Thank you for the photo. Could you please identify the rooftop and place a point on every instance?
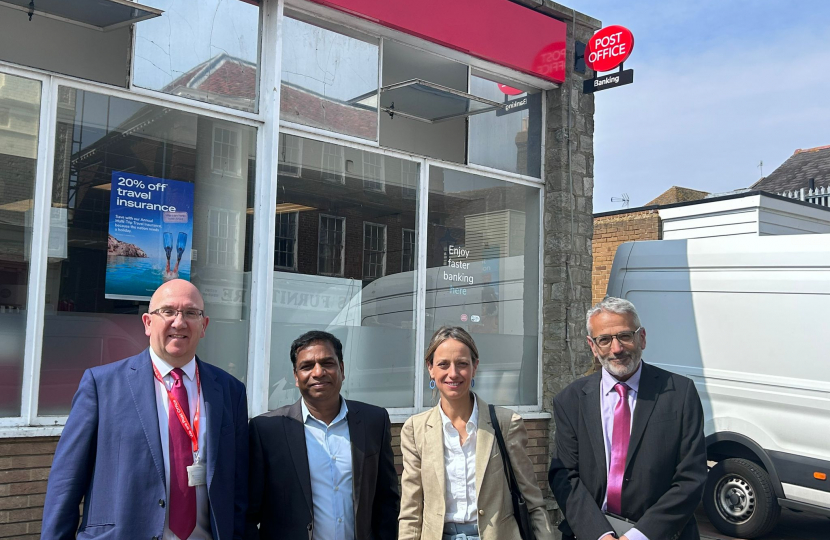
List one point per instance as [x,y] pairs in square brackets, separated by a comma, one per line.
[796,172]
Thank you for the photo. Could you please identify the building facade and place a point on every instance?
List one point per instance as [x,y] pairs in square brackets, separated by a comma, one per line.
[336,170]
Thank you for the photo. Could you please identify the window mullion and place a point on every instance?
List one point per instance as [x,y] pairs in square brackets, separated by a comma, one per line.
[41,215]
[421,286]
[265,209]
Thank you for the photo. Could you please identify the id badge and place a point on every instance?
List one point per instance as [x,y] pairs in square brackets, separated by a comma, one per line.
[197,474]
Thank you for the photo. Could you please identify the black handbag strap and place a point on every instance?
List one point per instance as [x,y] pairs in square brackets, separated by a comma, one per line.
[508,467]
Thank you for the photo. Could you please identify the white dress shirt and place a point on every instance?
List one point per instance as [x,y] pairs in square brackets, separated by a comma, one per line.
[329,450]
[608,401]
[460,467]
[202,530]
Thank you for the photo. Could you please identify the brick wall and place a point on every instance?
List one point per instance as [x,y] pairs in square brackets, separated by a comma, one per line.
[24,468]
[609,233]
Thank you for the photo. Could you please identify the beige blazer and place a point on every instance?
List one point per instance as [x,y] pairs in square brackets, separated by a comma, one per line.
[424,478]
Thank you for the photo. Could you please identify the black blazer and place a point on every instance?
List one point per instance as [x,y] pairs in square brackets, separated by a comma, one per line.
[280,484]
[665,468]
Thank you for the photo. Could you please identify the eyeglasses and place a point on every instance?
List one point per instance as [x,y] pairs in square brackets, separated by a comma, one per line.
[170,313]
[625,338]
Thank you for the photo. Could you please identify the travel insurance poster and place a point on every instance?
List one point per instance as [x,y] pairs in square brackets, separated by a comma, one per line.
[150,234]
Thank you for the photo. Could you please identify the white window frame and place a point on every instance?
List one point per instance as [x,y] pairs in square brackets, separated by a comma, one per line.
[30,423]
[296,242]
[268,124]
[342,246]
[383,253]
[236,171]
[374,184]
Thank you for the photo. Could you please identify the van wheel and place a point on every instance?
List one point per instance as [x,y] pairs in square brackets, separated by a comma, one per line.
[739,499]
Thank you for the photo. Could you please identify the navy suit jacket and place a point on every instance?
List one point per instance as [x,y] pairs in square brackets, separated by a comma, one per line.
[110,456]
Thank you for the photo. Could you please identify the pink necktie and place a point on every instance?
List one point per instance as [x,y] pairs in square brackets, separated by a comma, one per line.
[182,497]
[619,449]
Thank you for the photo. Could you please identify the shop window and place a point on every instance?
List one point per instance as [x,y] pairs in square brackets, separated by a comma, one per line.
[334,164]
[290,155]
[373,172]
[285,246]
[445,140]
[329,78]
[408,247]
[141,201]
[20,108]
[331,245]
[374,250]
[226,151]
[62,46]
[223,238]
[347,277]
[483,274]
[509,139]
[206,50]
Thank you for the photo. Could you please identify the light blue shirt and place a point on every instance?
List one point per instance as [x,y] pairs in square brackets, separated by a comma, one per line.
[329,449]
[608,401]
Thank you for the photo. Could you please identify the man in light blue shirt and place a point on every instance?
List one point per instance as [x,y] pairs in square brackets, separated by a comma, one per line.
[330,446]
[322,468]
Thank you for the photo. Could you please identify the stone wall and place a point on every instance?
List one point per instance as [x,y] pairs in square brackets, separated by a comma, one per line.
[568,225]
[611,231]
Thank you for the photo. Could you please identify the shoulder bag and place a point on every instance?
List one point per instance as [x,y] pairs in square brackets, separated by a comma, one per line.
[520,511]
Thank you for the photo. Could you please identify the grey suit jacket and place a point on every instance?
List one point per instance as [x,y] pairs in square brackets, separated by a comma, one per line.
[423,483]
[665,467]
[280,499]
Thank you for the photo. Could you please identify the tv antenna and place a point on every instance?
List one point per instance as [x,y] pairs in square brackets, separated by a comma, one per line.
[624,200]
[761,166]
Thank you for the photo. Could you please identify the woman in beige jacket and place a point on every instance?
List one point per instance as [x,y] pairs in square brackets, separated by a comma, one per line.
[453,481]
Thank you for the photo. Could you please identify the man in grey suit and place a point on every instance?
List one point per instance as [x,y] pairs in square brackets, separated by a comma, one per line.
[629,439]
[322,468]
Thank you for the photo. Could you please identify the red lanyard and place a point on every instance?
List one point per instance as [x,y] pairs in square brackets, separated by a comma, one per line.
[191,432]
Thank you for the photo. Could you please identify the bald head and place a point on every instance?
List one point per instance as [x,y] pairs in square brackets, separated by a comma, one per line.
[175,338]
[176,287]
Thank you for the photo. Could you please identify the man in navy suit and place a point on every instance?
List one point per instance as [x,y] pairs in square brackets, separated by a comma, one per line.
[156,445]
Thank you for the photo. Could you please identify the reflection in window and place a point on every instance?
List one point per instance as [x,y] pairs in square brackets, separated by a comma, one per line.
[285,246]
[509,139]
[374,250]
[223,237]
[19,124]
[333,163]
[483,274]
[186,52]
[408,251]
[290,155]
[348,276]
[329,80]
[330,261]
[373,171]
[409,178]
[226,150]
[97,135]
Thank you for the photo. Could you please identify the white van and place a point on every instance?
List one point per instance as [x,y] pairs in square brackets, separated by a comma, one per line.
[748,320]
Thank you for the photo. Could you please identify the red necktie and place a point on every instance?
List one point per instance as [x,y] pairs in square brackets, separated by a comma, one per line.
[182,497]
[619,449]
